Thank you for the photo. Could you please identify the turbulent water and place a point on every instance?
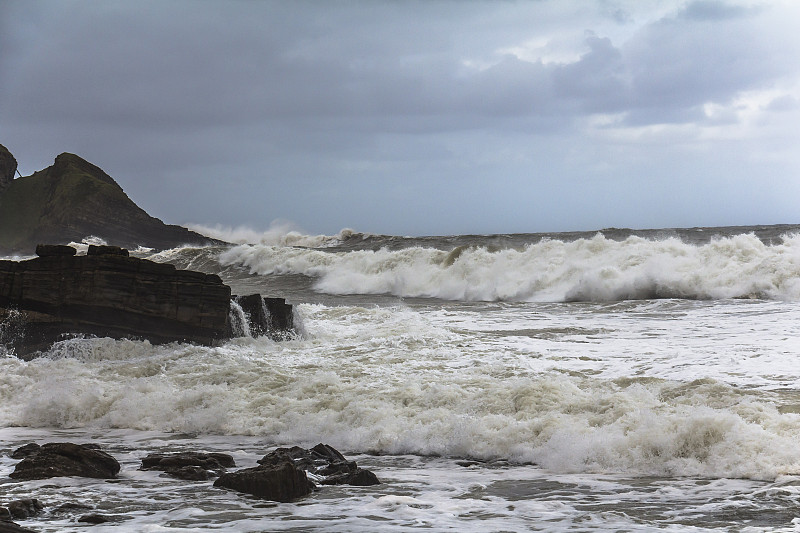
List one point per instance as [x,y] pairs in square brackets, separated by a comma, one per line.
[626,381]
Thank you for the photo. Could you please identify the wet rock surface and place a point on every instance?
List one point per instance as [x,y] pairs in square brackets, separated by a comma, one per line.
[26,508]
[193,466]
[283,474]
[108,294]
[279,481]
[59,459]
[266,316]
[326,463]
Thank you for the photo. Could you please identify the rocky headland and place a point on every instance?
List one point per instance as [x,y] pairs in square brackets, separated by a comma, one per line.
[73,199]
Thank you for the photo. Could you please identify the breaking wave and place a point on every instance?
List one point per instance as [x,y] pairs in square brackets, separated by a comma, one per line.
[392,381]
[593,269]
[280,233]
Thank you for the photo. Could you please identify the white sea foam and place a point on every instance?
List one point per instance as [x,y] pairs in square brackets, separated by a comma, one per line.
[395,380]
[279,233]
[596,269]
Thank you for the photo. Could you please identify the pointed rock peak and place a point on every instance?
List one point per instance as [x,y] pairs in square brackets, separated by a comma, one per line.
[70,163]
[8,166]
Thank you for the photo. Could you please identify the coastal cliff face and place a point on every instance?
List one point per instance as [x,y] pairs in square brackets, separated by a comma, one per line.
[73,199]
[8,166]
[108,294]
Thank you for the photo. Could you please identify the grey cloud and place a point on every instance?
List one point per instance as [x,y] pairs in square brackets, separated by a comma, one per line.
[360,101]
[714,10]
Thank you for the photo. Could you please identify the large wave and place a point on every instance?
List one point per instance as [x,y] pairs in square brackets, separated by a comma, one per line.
[279,233]
[390,380]
[593,269]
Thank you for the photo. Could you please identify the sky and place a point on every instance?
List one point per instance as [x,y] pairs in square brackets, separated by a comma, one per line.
[416,117]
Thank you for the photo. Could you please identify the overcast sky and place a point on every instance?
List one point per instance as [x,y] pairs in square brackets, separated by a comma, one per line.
[416,117]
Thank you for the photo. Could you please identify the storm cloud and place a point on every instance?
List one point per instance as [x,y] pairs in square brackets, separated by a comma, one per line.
[416,117]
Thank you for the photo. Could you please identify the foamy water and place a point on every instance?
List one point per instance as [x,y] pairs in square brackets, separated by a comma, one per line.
[607,414]
[596,269]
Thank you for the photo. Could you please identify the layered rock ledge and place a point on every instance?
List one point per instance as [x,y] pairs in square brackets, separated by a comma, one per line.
[107,293]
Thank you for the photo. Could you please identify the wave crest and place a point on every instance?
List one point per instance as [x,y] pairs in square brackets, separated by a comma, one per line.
[595,269]
[279,233]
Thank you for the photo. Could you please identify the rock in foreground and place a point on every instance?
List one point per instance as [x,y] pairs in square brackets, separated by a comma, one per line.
[280,481]
[282,474]
[326,463]
[58,459]
[193,466]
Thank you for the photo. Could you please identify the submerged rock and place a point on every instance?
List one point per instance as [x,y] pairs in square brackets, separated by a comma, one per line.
[194,466]
[59,459]
[279,481]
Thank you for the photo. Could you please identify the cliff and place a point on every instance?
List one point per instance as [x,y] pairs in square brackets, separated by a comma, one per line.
[73,199]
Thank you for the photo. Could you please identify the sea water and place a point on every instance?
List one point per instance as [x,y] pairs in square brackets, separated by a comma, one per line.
[625,381]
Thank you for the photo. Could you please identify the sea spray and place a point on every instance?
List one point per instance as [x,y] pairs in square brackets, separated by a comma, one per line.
[596,269]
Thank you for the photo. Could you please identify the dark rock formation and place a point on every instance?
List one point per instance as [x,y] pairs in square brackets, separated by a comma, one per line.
[73,199]
[54,250]
[113,295]
[324,461]
[266,316]
[279,481]
[194,466]
[10,527]
[281,474]
[22,509]
[94,519]
[58,459]
[8,167]
[24,451]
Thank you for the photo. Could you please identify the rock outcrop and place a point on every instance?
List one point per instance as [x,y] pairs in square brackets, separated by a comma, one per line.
[194,466]
[266,316]
[282,475]
[107,294]
[71,200]
[8,167]
[59,459]
[279,481]
[327,464]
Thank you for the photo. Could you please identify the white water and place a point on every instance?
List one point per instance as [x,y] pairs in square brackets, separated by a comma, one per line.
[596,269]
[671,414]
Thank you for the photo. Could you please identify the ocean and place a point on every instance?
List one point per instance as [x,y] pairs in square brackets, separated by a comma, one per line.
[614,380]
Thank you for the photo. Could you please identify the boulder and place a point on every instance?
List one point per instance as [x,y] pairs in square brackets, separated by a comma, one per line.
[24,451]
[195,466]
[325,462]
[10,527]
[279,481]
[59,459]
[26,508]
